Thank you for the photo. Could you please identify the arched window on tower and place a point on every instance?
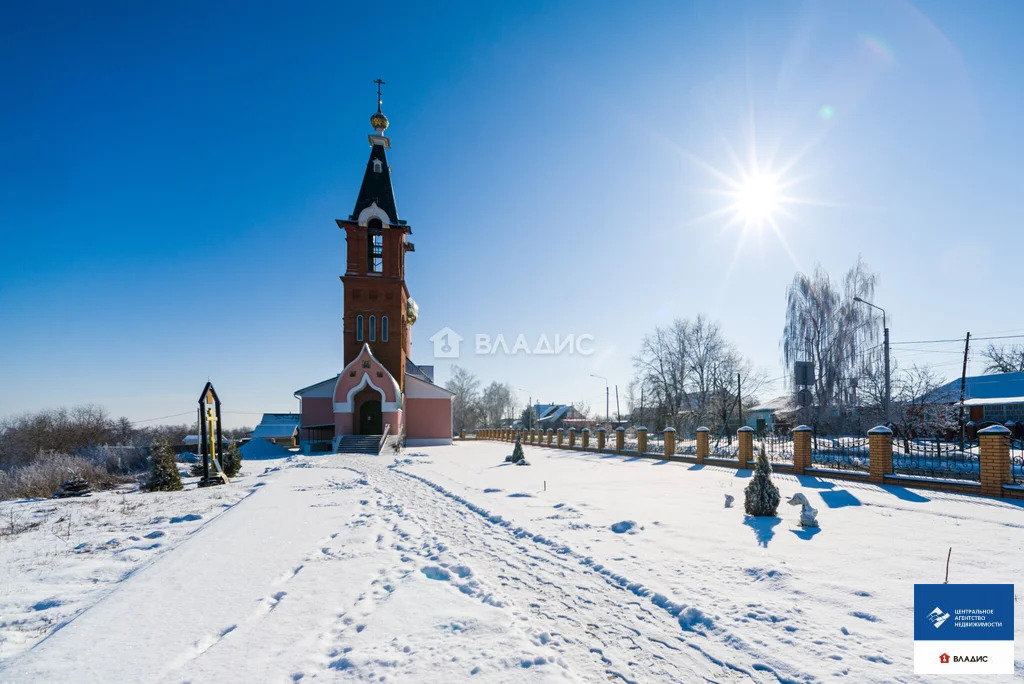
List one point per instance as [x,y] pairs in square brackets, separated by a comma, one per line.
[378,167]
[359,328]
[383,328]
[373,328]
[375,246]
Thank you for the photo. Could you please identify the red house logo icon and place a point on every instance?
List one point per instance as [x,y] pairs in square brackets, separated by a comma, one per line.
[944,658]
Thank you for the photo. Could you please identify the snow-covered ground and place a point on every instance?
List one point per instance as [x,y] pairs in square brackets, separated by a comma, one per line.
[448,565]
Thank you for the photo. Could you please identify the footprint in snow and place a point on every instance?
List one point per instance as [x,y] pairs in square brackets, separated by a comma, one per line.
[436,573]
[624,527]
[186,518]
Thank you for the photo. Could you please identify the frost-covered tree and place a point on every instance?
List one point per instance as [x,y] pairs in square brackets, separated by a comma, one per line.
[466,402]
[761,494]
[825,324]
[164,476]
[497,402]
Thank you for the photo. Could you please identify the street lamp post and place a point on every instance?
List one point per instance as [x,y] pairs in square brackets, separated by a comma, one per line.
[888,379]
[607,404]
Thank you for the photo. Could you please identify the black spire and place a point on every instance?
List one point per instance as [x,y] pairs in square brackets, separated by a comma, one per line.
[377,179]
[376,185]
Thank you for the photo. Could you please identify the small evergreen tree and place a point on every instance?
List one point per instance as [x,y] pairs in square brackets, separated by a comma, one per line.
[517,452]
[762,496]
[231,460]
[164,476]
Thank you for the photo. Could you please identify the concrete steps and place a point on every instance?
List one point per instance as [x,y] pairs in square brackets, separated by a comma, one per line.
[359,444]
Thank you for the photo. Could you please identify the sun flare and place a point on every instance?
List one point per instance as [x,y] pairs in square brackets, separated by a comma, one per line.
[758,197]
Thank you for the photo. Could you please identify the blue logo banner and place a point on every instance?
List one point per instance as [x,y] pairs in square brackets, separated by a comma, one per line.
[963,612]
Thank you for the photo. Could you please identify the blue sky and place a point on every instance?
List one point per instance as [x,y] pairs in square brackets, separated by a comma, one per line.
[171,176]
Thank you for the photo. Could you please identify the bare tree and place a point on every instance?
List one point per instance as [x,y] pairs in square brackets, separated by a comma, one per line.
[466,403]
[497,402]
[1004,359]
[918,412]
[827,326]
[687,374]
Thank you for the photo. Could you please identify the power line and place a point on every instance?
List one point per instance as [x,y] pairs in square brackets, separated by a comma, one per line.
[960,339]
[176,415]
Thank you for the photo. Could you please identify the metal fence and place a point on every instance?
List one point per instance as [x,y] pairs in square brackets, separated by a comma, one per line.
[841,453]
[936,457]
[1017,461]
[778,447]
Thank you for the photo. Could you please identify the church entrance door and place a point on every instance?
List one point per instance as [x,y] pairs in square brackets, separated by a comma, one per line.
[370,419]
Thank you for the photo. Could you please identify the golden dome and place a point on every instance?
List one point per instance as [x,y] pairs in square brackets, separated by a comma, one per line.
[379,122]
[412,310]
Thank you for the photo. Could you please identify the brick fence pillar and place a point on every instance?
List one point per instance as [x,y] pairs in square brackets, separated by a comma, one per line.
[670,441]
[994,459]
[620,439]
[585,439]
[560,437]
[641,440]
[601,437]
[572,437]
[548,434]
[745,435]
[703,443]
[801,449]
[879,453]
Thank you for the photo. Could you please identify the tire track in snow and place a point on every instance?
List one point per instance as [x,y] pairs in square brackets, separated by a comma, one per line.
[696,625]
[551,566]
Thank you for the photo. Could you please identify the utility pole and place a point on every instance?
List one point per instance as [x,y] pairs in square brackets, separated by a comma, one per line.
[888,376]
[607,402]
[739,397]
[618,415]
[963,388]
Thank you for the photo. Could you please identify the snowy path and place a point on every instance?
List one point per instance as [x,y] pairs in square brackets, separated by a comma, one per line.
[358,568]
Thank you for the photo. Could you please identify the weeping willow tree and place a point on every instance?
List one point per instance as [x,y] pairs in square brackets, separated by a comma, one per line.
[824,324]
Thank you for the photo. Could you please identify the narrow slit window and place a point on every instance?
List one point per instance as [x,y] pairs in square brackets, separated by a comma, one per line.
[373,328]
[375,246]
[359,328]
[383,328]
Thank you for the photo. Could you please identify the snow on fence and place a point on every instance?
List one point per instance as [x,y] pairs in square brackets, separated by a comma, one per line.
[936,457]
[841,453]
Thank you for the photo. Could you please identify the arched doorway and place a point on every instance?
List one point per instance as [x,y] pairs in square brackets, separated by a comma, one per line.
[370,419]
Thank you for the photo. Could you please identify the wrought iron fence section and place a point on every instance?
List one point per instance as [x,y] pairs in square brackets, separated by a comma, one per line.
[685,444]
[841,453]
[778,447]
[1017,461]
[936,457]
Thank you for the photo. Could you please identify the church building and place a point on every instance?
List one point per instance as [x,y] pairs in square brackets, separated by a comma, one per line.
[380,394]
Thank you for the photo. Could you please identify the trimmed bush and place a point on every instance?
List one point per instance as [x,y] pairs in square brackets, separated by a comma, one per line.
[762,496]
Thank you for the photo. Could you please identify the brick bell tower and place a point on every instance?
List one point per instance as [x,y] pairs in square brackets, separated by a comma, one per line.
[378,309]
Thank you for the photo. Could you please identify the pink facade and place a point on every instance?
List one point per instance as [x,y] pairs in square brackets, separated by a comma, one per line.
[317,410]
[429,419]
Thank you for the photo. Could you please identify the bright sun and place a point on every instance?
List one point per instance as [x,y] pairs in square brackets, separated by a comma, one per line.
[758,197]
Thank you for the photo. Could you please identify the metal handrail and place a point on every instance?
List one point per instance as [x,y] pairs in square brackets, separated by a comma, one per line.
[383,437]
